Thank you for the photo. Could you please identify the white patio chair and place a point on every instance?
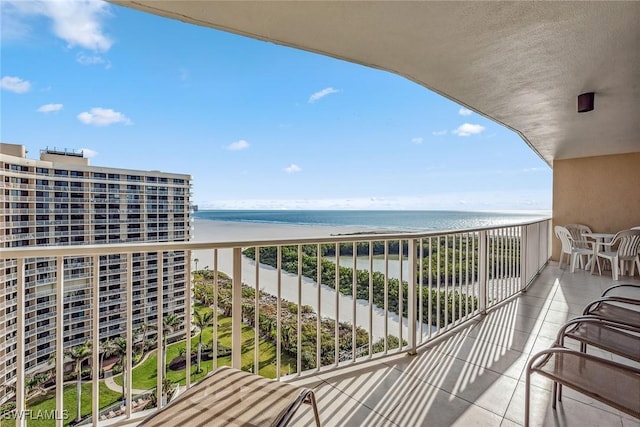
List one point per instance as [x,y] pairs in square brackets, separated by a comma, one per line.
[570,248]
[577,233]
[623,248]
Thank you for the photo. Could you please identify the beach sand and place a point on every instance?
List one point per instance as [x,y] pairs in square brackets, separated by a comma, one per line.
[223,231]
[267,277]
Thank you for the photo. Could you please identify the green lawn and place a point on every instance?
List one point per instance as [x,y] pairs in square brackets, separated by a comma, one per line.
[46,405]
[144,375]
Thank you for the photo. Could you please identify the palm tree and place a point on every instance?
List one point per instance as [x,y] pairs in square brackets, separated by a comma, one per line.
[201,320]
[34,383]
[79,354]
[141,336]
[105,349]
[119,349]
[170,322]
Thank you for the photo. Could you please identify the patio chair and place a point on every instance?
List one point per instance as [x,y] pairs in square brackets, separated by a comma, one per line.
[231,397]
[569,248]
[612,383]
[577,232]
[623,248]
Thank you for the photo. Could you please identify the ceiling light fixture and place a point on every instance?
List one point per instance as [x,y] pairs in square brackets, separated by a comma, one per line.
[585,102]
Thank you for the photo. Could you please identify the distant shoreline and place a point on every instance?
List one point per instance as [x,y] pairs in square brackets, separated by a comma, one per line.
[368,221]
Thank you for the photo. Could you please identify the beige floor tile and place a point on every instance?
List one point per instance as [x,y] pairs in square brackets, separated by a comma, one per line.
[433,407]
[473,383]
[569,412]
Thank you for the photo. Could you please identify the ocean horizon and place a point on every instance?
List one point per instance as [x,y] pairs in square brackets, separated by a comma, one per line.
[377,219]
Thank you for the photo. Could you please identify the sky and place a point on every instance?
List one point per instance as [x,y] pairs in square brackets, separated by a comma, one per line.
[257,125]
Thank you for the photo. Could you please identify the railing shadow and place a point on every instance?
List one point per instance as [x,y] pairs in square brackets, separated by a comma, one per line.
[468,376]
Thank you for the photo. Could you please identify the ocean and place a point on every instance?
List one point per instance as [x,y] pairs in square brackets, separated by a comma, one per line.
[391,220]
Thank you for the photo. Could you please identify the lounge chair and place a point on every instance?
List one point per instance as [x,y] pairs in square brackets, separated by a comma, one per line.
[618,309]
[624,290]
[612,383]
[231,397]
[605,334]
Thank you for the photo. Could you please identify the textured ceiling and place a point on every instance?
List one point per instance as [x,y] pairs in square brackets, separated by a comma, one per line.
[519,63]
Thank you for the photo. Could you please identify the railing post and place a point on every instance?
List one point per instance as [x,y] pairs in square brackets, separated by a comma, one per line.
[188,314]
[236,310]
[483,262]
[59,340]
[95,325]
[411,298]
[160,363]
[524,258]
[20,348]
[127,379]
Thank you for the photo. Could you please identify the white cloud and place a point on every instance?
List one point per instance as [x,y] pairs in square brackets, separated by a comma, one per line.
[417,140]
[88,153]
[465,112]
[293,168]
[238,145]
[48,108]
[439,132]
[468,129]
[15,84]
[85,59]
[78,22]
[103,117]
[321,94]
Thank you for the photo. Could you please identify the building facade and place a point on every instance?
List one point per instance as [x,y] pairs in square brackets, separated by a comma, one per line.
[61,200]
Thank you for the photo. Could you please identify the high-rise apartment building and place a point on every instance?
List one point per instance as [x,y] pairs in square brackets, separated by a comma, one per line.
[61,200]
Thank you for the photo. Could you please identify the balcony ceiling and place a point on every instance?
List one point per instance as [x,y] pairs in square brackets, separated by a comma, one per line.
[519,63]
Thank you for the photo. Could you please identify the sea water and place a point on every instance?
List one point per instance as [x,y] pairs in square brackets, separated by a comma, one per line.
[393,220]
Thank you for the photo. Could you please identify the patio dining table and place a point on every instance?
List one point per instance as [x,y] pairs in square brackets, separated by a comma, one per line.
[598,240]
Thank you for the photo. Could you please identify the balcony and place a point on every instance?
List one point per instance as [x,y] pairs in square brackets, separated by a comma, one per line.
[490,266]
[458,363]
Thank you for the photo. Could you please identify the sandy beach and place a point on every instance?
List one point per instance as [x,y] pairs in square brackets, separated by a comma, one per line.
[223,231]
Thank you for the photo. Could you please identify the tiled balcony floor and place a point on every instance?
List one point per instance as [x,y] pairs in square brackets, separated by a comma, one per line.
[474,377]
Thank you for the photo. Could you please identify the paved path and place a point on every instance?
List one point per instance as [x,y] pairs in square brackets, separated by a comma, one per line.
[111,385]
[268,282]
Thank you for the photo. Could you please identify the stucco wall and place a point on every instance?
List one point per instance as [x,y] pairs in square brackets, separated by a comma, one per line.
[601,192]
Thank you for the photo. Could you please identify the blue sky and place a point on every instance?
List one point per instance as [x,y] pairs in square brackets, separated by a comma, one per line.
[257,125]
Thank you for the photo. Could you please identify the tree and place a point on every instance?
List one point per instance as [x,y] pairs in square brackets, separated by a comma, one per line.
[104,349]
[79,354]
[119,349]
[201,320]
[170,322]
[34,383]
[140,336]
[203,293]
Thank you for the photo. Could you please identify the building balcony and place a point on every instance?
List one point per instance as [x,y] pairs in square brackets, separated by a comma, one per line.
[458,363]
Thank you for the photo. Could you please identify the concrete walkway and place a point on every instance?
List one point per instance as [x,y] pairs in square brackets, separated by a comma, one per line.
[268,282]
[111,385]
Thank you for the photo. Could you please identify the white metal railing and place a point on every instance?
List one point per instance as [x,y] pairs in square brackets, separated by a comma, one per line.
[408,288]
